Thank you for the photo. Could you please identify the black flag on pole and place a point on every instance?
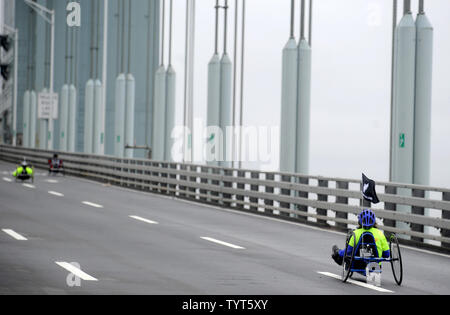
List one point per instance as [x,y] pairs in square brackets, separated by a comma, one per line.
[368,190]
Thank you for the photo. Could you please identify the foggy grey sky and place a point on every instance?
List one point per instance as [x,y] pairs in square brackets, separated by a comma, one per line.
[350,105]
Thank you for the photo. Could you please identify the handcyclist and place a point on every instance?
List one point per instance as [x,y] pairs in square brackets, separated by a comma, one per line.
[23,170]
[55,163]
[367,224]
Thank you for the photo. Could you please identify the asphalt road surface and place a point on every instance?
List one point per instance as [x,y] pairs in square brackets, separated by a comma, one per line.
[72,236]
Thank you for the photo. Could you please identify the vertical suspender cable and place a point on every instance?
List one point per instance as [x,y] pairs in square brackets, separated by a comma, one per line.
[75,63]
[149,73]
[407,7]
[289,101]
[233,123]
[170,94]
[91,69]
[191,76]
[217,29]
[119,58]
[310,22]
[302,20]
[159,109]
[421,7]
[122,65]
[97,46]
[163,31]
[292,34]
[213,95]
[303,103]
[104,72]
[129,37]
[226,72]
[394,26]
[225,28]
[170,31]
[64,98]
[189,81]
[66,77]
[186,69]
[33,97]
[30,49]
[241,114]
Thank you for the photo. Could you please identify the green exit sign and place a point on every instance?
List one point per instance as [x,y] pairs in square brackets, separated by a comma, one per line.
[402,140]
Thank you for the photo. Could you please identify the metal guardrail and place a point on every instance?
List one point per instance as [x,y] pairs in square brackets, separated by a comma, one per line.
[327,201]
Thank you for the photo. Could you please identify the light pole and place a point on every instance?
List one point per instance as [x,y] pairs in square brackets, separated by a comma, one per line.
[49,17]
[15,33]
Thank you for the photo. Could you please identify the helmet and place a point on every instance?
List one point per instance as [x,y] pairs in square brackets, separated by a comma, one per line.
[24,164]
[367,218]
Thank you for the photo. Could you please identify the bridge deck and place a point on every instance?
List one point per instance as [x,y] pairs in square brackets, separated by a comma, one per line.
[139,243]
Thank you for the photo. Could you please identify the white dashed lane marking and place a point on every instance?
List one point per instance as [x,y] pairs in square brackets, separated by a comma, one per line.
[209,239]
[358,283]
[143,219]
[15,235]
[76,271]
[54,193]
[91,204]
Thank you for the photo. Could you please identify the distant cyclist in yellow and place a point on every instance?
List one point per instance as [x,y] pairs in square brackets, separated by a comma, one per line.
[23,171]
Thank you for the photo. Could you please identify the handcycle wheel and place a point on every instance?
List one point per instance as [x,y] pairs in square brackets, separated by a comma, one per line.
[396,259]
[347,262]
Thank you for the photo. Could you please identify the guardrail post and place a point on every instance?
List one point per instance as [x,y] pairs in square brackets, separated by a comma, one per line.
[445,215]
[215,171]
[172,166]
[285,192]
[269,190]
[320,197]
[342,200]
[193,179]
[417,210]
[132,170]
[390,206]
[154,174]
[120,169]
[240,186]
[227,184]
[183,178]
[204,170]
[145,173]
[302,194]
[165,175]
[139,182]
[254,175]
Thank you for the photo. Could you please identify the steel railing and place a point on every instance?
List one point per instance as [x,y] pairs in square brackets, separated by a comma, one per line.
[323,200]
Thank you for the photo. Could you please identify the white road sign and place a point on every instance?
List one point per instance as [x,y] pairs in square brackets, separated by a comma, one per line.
[47,105]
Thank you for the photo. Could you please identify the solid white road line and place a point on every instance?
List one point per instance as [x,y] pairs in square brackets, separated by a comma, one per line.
[15,235]
[143,220]
[54,193]
[6,179]
[74,270]
[29,186]
[361,284]
[91,204]
[221,242]
[52,181]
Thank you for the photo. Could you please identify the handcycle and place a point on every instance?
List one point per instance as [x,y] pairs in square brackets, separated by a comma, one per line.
[24,176]
[56,167]
[364,257]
